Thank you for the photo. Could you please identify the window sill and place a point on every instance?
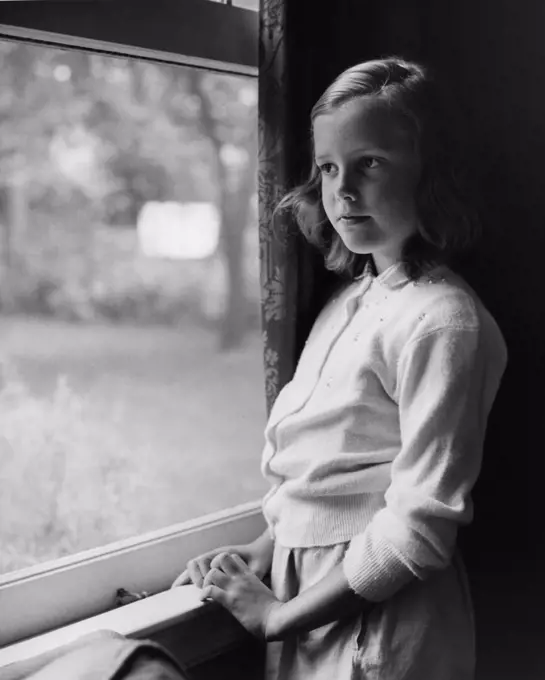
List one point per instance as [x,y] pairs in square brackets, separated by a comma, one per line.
[166,612]
[150,562]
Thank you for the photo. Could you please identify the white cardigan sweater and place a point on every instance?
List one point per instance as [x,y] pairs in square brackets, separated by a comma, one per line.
[377,440]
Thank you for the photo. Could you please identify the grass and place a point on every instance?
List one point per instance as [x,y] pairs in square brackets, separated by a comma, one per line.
[109,431]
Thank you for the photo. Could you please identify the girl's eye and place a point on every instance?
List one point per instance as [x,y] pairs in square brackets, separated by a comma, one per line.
[326,168]
[371,163]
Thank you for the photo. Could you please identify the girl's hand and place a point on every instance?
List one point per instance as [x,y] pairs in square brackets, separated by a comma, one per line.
[231,583]
[257,555]
[197,568]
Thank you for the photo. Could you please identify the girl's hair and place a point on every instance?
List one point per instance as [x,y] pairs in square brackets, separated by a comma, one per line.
[447,224]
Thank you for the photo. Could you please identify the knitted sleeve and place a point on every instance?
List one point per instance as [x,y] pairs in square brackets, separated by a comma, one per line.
[447,381]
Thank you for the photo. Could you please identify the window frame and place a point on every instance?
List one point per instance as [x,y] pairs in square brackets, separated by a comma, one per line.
[194,33]
[53,594]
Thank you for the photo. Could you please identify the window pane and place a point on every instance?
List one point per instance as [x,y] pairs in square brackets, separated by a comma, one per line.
[131,387]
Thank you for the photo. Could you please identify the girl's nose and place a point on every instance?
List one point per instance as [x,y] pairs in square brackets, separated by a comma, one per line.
[346,189]
[346,196]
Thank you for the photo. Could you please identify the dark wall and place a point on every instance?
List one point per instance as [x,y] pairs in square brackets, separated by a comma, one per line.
[493,57]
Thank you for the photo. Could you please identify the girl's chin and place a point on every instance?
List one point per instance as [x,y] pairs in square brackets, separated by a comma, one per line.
[359,245]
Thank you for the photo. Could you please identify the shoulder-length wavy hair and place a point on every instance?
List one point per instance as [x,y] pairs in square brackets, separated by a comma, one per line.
[448,222]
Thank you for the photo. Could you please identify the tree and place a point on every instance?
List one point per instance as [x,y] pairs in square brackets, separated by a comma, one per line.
[153,132]
[234,203]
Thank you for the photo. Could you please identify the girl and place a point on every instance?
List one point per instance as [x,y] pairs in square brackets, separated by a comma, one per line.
[374,446]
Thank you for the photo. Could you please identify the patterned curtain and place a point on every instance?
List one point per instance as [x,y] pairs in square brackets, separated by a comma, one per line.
[278,245]
[303,45]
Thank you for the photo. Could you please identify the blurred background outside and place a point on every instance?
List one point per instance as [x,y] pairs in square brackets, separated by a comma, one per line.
[131,388]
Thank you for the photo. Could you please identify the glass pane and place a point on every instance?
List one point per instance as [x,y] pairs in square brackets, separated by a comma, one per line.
[131,386]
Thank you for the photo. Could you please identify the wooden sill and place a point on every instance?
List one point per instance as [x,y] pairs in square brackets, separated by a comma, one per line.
[82,587]
[162,617]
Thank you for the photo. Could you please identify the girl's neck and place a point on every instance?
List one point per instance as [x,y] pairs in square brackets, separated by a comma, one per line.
[381,264]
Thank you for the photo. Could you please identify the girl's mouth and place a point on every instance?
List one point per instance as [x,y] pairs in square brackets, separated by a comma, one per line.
[353,219]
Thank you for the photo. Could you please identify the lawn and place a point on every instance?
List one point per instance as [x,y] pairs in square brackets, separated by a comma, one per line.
[109,431]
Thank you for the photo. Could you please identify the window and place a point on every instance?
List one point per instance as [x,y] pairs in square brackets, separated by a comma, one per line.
[131,372]
[123,347]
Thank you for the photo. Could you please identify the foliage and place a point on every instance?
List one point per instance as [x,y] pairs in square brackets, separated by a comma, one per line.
[85,141]
[106,433]
[49,469]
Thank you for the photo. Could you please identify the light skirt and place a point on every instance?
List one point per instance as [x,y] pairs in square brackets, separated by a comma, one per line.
[424,632]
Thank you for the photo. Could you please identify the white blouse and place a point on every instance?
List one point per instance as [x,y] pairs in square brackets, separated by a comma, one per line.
[378,438]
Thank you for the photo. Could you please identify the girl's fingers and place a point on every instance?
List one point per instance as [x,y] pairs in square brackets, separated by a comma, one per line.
[240,563]
[198,569]
[214,593]
[194,573]
[216,577]
[215,564]
[204,566]
[226,562]
[182,580]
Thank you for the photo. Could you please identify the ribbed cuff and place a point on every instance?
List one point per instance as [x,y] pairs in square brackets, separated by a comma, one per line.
[373,568]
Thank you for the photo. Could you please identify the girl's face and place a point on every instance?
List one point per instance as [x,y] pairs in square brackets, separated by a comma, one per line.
[369,173]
